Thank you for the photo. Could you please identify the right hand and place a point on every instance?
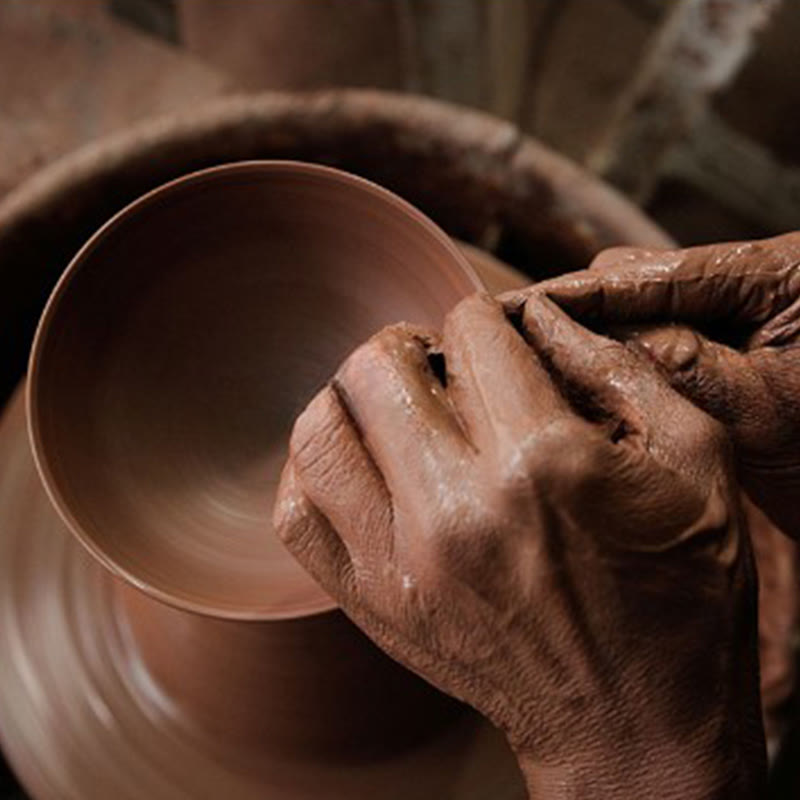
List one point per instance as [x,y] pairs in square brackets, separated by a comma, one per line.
[744,369]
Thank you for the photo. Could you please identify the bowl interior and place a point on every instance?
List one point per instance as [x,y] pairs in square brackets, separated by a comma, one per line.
[181,343]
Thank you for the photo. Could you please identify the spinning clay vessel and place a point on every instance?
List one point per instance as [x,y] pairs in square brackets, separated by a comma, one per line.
[190,655]
[179,346]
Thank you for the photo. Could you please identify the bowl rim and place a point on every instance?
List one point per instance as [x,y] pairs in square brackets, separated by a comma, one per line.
[43,457]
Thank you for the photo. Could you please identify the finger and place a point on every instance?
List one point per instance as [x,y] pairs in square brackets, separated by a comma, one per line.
[496,382]
[310,538]
[725,383]
[638,503]
[512,301]
[404,416]
[735,283]
[607,378]
[340,478]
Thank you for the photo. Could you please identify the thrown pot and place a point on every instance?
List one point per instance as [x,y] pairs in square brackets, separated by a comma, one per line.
[181,343]
[167,369]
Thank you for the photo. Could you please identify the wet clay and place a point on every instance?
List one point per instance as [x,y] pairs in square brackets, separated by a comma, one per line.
[736,354]
[520,543]
[776,556]
[295,704]
[182,342]
[106,692]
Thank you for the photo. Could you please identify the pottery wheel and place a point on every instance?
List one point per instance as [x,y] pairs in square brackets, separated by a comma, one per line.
[80,716]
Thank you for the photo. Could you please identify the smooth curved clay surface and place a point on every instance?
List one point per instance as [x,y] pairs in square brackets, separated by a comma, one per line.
[182,342]
[101,693]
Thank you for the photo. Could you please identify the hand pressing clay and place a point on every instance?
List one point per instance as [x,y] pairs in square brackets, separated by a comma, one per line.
[549,532]
[745,372]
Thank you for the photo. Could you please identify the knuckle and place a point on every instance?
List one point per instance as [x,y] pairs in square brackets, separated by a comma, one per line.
[562,453]
[677,349]
[293,517]
[465,545]
[365,357]
[316,439]
[383,353]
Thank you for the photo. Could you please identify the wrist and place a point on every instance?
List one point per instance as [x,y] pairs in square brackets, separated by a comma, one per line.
[711,765]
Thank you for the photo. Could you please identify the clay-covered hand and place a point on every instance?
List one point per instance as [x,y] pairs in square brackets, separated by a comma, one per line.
[564,553]
[743,369]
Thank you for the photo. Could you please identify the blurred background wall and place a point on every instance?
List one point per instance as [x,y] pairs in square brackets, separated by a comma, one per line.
[688,106]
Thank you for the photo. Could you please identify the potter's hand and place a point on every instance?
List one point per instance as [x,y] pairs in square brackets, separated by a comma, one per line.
[745,371]
[582,578]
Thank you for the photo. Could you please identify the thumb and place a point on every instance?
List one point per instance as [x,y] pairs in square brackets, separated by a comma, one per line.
[735,283]
[742,391]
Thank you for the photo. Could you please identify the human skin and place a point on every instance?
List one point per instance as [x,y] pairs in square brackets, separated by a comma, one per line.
[551,534]
[731,343]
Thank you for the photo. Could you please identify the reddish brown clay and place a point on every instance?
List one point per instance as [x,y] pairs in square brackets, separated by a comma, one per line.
[181,343]
[108,693]
[776,557]
[168,703]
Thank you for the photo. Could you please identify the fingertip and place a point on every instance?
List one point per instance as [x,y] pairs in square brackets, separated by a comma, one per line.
[513,301]
[580,293]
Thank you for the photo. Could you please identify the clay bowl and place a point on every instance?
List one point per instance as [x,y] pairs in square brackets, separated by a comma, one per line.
[108,693]
[165,375]
[181,343]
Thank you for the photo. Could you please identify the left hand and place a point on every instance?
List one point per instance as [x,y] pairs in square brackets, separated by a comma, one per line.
[723,323]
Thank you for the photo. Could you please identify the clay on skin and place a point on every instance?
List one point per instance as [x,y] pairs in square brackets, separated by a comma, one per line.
[745,370]
[517,533]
